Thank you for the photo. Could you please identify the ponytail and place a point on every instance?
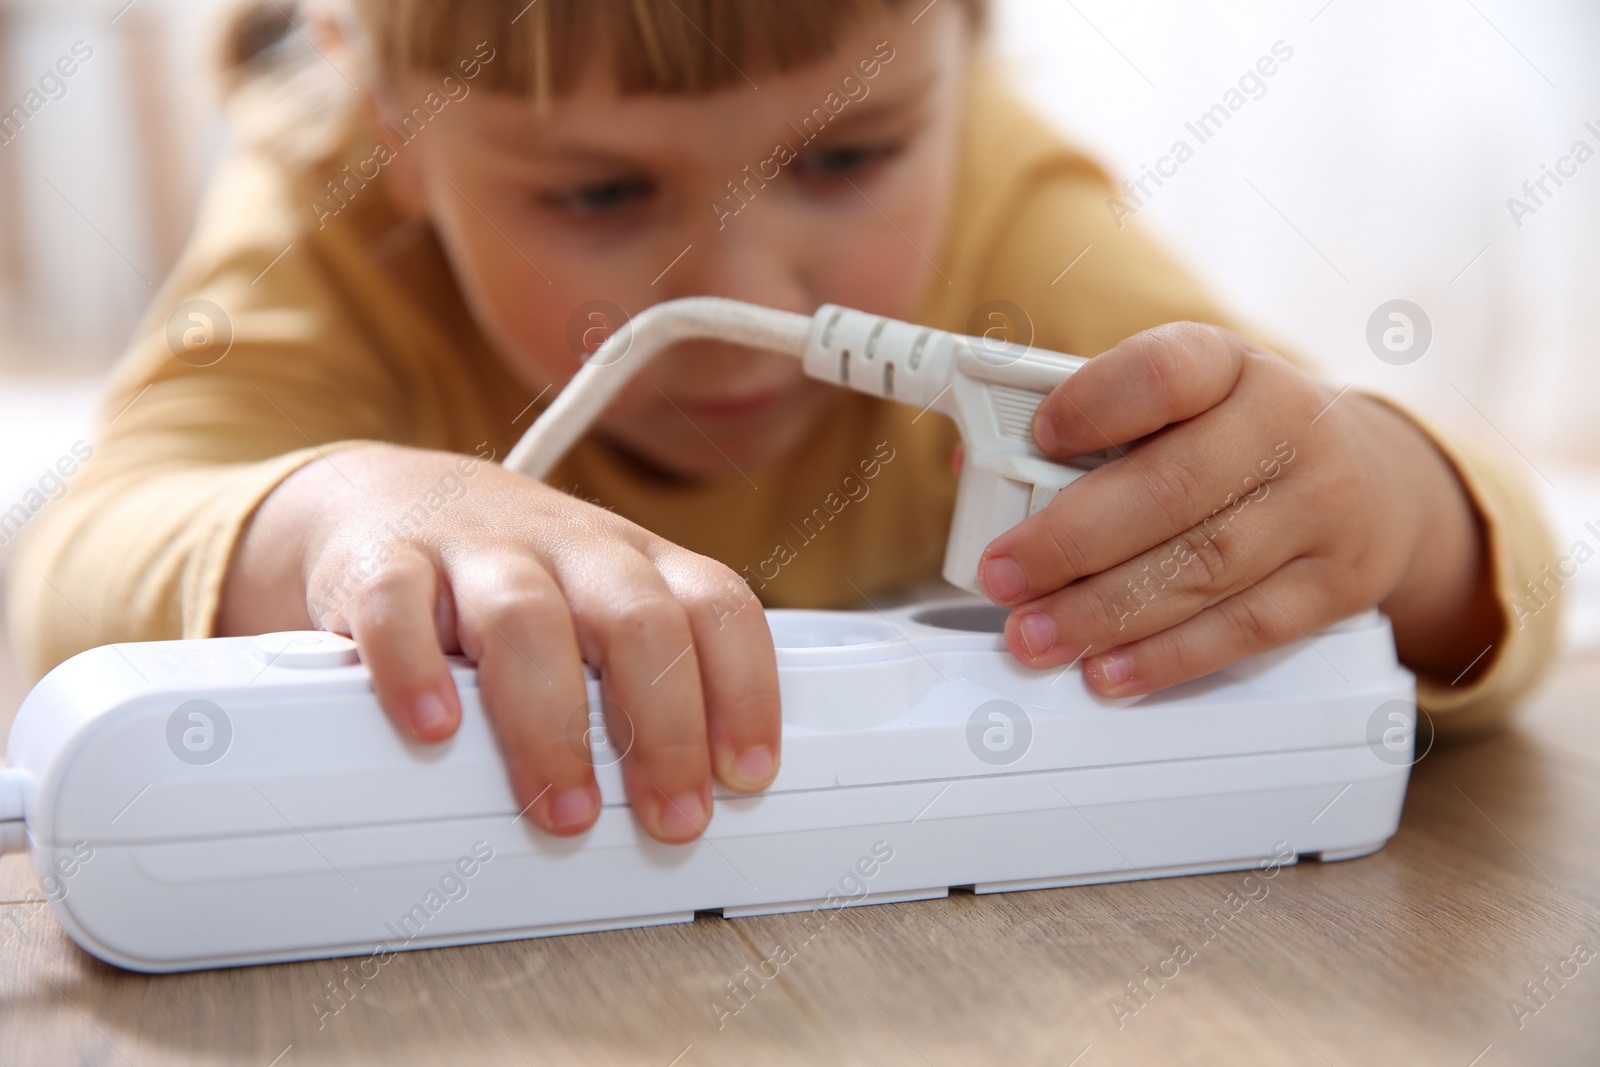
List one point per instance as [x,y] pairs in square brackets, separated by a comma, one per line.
[252,38]
[279,93]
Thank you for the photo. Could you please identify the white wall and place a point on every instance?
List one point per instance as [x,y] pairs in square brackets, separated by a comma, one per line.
[1391,140]
[89,232]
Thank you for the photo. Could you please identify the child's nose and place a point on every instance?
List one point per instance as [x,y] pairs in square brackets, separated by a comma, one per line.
[747,259]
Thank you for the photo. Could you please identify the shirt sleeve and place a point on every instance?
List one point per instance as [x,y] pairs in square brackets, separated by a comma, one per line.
[190,440]
[1520,543]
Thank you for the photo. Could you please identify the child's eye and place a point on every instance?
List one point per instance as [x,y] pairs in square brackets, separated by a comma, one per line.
[844,161]
[599,198]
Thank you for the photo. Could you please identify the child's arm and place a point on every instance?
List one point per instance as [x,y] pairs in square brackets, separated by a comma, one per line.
[1261,510]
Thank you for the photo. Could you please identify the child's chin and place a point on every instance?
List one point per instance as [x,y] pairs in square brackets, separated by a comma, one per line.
[729,460]
[726,458]
[714,453]
[684,464]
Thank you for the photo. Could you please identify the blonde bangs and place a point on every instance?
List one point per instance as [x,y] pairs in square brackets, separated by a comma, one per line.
[544,48]
[285,95]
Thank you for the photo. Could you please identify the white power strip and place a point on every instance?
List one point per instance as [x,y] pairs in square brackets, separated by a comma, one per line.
[232,801]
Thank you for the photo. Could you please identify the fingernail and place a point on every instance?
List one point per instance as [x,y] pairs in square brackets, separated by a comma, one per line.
[1038,632]
[1044,432]
[754,765]
[1003,578]
[683,815]
[570,807]
[429,713]
[1114,668]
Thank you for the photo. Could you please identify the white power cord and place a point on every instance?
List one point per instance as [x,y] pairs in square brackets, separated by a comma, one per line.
[627,351]
[13,831]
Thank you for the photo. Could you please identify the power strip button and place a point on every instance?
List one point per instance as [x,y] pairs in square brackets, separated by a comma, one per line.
[305,649]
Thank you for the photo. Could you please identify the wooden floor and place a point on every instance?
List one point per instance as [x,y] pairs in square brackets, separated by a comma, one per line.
[1415,955]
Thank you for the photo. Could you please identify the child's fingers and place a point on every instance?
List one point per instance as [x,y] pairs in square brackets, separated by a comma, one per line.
[1161,587]
[392,622]
[1151,380]
[631,626]
[737,666]
[1168,485]
[1286,606]
[515,624]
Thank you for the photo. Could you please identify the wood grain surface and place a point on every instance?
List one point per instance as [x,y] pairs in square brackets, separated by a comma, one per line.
[1416,955]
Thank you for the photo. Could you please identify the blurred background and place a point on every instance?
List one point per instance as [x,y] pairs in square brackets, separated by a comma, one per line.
[1376,164]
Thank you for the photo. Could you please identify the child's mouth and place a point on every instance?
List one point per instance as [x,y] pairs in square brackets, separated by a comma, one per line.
[728,409]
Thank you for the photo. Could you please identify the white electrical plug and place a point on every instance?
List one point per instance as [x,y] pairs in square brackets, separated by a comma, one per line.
[989,388]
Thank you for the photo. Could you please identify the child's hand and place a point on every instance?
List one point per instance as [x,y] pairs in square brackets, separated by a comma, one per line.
[1262,507]
[413,557]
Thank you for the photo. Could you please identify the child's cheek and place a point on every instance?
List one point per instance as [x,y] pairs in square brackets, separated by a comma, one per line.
[887,269]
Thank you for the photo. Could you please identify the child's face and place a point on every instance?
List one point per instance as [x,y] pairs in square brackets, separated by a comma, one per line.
[601,197]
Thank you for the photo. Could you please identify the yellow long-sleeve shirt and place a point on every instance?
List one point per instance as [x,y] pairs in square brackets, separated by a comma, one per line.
[353,329]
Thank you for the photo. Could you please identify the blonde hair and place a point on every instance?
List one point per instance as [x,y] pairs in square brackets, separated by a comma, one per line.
[543,48]
[283,93]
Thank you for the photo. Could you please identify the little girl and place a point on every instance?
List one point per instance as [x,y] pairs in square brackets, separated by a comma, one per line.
[433,212]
